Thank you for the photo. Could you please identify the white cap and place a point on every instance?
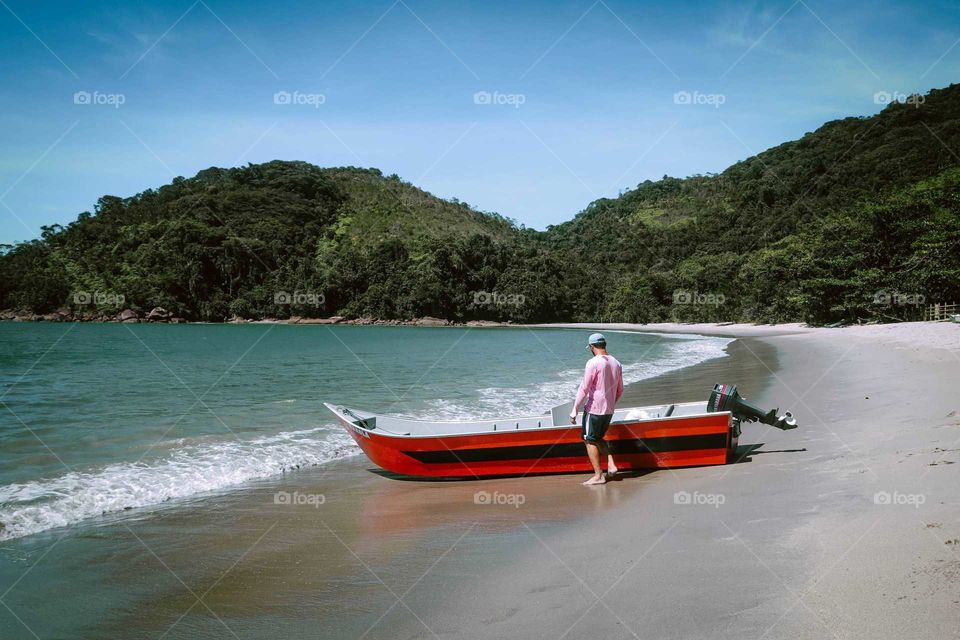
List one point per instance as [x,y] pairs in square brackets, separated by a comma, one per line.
[596,339]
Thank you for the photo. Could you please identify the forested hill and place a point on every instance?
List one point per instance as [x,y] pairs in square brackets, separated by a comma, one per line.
[760,236]
[274,240]
[857,220]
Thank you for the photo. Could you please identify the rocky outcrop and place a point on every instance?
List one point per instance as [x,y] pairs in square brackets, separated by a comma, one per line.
[428,321]
[159,314]
[331,320]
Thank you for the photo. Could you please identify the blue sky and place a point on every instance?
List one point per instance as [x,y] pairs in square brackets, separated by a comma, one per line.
[576,98]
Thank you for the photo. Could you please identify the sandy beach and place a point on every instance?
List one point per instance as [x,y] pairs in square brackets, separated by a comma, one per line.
[848,527]
[845,528]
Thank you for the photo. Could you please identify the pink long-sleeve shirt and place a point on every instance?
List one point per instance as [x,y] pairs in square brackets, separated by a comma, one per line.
[602,386]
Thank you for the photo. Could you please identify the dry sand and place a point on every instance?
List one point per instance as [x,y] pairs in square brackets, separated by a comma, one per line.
[848,527]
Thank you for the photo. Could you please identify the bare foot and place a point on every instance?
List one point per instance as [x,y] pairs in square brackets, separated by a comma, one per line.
[595,480]
[612,469]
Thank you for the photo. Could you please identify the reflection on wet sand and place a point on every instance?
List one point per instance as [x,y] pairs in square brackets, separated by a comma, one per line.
[252,559]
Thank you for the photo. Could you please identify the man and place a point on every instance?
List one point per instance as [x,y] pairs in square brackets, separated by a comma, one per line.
[599,392]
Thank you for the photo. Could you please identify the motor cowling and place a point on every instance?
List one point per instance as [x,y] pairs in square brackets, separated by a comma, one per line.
[724,397]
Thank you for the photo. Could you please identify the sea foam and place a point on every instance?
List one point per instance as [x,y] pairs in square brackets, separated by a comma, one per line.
[34,506]
[536,399]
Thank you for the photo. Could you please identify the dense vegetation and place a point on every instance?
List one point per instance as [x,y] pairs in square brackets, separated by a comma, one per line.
[812,230]
[281,239]
[857,220]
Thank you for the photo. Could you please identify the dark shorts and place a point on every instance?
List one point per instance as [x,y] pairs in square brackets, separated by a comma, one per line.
[595,426]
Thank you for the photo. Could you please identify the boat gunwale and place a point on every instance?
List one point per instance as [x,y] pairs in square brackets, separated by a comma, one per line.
[392,434]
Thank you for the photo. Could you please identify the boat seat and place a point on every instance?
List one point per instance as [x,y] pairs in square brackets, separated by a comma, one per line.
[369,423]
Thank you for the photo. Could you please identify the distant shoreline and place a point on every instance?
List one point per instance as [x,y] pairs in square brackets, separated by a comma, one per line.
[922,334]
[161,316]
[900,335]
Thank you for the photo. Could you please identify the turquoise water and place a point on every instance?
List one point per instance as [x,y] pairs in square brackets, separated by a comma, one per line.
[97,419]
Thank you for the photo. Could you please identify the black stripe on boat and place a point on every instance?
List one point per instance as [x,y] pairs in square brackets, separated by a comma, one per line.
[571,450]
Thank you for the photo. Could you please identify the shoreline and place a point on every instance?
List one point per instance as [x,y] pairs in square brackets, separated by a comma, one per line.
[158,315]
[920,335]
[800,547]
[709,329]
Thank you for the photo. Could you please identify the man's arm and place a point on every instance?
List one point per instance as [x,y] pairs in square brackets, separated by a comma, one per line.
[619,383]
[586,387]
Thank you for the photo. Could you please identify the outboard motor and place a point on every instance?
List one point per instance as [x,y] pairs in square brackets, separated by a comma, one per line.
[725,398]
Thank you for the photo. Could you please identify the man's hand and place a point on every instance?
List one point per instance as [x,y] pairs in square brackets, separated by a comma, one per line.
[573,418]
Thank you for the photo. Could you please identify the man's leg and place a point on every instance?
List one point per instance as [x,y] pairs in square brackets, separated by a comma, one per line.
[593,452]
[605,450]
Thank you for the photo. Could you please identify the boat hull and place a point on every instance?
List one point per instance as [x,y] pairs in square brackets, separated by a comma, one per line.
[706,439]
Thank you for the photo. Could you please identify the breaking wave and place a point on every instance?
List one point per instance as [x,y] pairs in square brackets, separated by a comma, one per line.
[37,505]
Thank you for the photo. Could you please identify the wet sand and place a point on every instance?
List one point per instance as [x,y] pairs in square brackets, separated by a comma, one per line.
[846,527]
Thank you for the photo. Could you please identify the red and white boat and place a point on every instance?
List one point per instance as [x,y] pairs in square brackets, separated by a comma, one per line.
[654,437]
